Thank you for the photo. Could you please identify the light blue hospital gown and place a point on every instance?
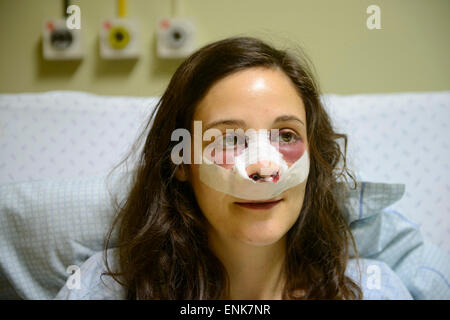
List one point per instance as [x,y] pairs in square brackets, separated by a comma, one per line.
[378,281]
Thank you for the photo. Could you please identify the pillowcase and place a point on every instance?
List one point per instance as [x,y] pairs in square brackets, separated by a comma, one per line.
[384,234]
[48,225]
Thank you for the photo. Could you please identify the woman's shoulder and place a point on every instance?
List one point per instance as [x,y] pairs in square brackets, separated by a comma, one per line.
[377,280]
[90,283]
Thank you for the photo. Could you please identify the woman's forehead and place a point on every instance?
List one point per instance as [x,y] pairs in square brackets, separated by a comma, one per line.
[255,95]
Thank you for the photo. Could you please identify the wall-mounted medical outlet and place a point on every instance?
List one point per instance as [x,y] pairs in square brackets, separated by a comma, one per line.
[119,39]
[61,43]
[175,38]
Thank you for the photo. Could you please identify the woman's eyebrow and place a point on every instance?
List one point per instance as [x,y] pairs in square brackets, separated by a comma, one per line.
[242,124]
[230,122]
[287,118]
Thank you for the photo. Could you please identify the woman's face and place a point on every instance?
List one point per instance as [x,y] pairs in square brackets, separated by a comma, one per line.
[257,98]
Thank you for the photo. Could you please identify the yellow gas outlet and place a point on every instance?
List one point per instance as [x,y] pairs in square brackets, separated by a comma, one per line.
[118,37]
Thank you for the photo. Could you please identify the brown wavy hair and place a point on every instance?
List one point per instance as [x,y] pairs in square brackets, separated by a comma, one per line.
[162,243]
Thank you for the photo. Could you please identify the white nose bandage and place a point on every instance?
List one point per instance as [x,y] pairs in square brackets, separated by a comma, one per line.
[236,182]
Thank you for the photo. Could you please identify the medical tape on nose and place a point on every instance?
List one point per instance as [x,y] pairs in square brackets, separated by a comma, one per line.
[259,149]
[236,182]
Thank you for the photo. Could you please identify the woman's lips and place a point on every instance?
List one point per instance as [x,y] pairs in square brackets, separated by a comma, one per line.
[259,205]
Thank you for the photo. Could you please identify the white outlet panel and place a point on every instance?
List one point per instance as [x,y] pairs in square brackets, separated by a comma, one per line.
[119,39]
[175,38]
[61,43]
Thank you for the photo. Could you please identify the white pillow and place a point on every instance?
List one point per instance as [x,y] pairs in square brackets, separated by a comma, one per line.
[47,225]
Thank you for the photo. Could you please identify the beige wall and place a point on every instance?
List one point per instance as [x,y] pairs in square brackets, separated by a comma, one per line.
[410,53]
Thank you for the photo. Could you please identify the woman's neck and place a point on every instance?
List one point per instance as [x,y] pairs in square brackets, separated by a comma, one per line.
[255,271]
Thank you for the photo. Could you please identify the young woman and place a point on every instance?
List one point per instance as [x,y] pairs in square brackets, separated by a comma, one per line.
[183,234]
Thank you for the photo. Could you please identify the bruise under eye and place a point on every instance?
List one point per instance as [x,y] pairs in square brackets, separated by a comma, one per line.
[224,158]
[289,144]
[292,150]
[286,141]
[226,148]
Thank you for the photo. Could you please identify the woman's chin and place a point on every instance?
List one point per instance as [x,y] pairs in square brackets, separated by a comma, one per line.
[260,236]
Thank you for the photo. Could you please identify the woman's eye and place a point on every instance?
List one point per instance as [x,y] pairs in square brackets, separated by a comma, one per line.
[288,137]
[231,141]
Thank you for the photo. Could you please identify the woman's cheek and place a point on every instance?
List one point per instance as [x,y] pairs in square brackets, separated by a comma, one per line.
[292,152]
[224,158]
